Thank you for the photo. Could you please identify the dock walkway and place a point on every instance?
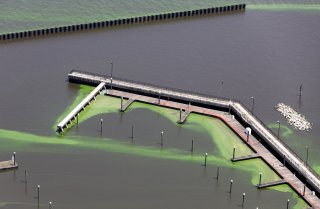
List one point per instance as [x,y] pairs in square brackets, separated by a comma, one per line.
[271,184]
[238,108]
[9,164]
[247,157]
[253,143]
[74,113]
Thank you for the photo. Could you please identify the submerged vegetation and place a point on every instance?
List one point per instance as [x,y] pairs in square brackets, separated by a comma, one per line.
[222,137]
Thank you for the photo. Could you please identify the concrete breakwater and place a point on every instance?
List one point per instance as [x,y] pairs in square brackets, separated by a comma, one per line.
[295,119]
[296,172]
[125,21]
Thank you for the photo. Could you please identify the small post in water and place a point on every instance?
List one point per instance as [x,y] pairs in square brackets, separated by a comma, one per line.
[307,148]
[161,140]
[191,146]
[50,205]
[218,171]
[288,201]
[38,192]
[300,92]
[131,132]
[159,98]
[230,189]
[205,159]
[25,176]
[101,123]
[243,195]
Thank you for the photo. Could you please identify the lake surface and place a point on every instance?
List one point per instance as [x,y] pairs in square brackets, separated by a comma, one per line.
[265,54]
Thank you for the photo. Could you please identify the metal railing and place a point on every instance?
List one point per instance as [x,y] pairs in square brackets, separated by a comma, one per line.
[267,133]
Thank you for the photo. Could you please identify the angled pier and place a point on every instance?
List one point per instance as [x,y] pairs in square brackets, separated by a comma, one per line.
[125,105]
[217,107]
[247,157]
[7,165]
[183,116]
[271,184]
[75,112]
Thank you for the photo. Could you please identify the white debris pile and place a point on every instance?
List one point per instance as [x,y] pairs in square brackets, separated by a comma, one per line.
[293,117]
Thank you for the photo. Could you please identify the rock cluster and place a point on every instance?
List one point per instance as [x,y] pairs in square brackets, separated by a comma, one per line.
[295,119]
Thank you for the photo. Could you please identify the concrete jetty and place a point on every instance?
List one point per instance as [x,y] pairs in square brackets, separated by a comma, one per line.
[262,141]
[118,22]
[75,112]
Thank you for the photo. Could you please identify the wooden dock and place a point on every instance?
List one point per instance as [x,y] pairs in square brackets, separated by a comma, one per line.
[247,157]
[271,184]
[125,105]
[75,112]
[183,116]
[9,164]
[122,87]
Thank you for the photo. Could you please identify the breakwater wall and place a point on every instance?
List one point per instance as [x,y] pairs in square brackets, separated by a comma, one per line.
[245,116]
[124,21]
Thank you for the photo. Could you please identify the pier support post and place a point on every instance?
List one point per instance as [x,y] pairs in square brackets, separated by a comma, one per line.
[205,160]
[230,188]
[121,105]
[279,126]
[307,156]
[161,139]
[111,83]
[260,177]
[304,190]
[14,158]
[234,152]
[218,172]
[243,195]
[300,91]
[25,176]
[159,98]
[132,132]
[38,192]
[284,160]
[252,107]
[191,146]
[180,119]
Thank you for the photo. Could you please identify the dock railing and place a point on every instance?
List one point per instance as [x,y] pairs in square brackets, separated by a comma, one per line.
[238,107]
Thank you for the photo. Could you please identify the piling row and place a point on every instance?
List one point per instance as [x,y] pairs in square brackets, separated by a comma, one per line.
[125,21]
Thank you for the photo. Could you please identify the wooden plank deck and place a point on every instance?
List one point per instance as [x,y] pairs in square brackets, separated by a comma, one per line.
[126,104]
[240,110]
[272,183]
[184,116]
[6,165]
[253,143]
[247,157]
